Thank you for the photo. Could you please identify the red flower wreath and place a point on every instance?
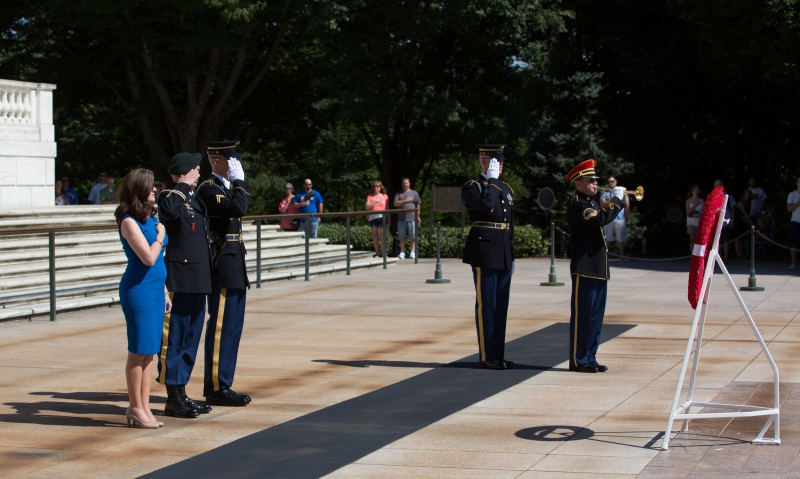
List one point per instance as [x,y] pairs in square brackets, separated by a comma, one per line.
[706,231]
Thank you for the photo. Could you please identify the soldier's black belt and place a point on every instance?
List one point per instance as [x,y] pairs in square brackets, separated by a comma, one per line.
[493,226]
[233,237]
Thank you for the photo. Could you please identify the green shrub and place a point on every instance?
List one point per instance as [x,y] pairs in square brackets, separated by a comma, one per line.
[528,240]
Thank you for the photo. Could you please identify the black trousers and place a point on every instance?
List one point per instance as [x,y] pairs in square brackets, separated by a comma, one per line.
[492,290]
[223,332]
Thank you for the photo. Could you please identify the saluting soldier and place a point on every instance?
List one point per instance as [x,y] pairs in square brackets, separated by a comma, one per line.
[589,265]
[227,197]
[490,252]
[189,280]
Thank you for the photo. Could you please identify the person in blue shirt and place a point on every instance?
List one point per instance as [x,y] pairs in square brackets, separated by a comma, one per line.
[309,201]
[69,193]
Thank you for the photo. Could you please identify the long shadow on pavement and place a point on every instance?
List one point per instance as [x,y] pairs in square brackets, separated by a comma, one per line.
[319,443]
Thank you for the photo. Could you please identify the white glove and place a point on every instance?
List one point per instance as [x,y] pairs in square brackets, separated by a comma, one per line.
[619,192]
[494,169]
[235,170]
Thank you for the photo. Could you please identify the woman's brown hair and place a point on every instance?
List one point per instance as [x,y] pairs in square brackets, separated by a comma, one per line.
[691,189]
[134,193]
[383,189]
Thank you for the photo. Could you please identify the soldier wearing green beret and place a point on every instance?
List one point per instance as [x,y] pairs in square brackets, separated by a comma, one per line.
[189,279]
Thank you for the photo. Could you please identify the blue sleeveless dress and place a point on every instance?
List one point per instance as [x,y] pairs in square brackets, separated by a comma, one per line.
[141,294]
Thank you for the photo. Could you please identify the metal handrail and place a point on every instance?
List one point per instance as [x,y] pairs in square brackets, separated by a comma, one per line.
[52,230]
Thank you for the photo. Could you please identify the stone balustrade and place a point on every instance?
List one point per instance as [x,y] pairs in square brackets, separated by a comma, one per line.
[27,144]
[16,105]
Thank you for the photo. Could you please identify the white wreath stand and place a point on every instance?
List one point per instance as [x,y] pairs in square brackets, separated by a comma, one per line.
[682,411]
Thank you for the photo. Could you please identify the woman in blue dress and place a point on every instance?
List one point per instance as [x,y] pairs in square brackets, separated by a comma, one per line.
[142,293]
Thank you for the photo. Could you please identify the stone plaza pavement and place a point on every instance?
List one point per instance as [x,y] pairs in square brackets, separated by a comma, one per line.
[383,355]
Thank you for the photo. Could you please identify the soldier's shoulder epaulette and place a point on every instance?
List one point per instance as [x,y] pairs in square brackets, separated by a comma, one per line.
[509,187]
[209,183]
[470,182]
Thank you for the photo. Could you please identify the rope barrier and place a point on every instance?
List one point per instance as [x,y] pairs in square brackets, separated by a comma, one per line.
[773,242]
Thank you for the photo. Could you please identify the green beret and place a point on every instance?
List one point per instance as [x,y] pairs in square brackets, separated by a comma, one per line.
[183,162]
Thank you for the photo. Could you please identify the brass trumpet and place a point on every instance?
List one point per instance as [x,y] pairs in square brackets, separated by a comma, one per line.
[638,194]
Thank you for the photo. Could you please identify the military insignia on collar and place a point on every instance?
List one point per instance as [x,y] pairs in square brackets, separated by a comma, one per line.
[510,198]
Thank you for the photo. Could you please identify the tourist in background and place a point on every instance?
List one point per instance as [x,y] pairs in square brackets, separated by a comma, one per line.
[94,193]
[694,207]
[742,220]
[730,223]
[308,201]
[793,205]
[759,198]
[69,193]
[287,207]
[60,197]
[376,201]
[407,226]
[108,195]
[142,293]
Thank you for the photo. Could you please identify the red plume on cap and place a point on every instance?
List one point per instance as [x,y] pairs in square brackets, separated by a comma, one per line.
[584,170]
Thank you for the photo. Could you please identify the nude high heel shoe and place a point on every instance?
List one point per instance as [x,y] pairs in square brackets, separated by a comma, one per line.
[131,418]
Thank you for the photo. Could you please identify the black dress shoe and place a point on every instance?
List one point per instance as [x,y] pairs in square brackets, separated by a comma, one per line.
[508,364]
[586,368]
[600,367]
[202,409]
[497,364]
[176,406]
[227,397]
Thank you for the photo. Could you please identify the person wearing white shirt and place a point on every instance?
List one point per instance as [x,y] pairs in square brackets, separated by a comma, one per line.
[94,194]
[793,205]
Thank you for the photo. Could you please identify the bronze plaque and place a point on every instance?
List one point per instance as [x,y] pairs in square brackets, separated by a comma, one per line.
[447,199]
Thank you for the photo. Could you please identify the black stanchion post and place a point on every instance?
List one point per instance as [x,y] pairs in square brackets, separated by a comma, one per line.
[308,229]
[437,275]
[383,240]
[416,235]
[347,240]
[552,279]
[258,254]
[52,259]
[751,281]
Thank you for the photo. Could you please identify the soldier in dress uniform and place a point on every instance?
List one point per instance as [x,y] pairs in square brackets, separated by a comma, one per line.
[589,265]
[490,252]
[189,280]
[227,197]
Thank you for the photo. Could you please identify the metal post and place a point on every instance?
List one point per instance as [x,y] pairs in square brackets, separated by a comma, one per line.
[383,240]
[308,230]
[258,254]
[416,235]
[433,204]
[552,279]
[347,240]
[437,275]
[52,258]
[751,281]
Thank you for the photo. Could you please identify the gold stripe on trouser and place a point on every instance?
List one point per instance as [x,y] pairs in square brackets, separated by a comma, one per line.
[165,342]
[575,334]
[480,316]
[217,337]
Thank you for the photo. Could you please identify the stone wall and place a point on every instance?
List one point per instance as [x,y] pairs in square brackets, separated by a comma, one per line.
[27,144]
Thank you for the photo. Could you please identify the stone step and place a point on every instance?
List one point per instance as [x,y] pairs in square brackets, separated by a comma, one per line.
[110,296]
[22,284]
[112,245]
[118,258]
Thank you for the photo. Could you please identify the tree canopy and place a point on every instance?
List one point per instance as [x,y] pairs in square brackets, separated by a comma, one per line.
[663,93]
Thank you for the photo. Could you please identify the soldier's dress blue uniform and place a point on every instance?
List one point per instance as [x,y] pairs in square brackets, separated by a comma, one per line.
[226,305]
[589,271]
[189,280]
[490,251]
